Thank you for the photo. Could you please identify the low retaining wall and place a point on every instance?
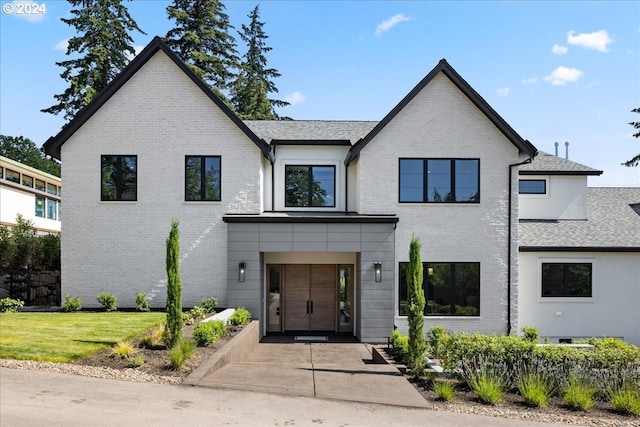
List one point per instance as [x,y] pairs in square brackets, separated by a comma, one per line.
[236,350]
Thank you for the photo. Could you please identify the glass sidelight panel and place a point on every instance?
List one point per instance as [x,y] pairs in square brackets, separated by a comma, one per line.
[274,285]
[345,298]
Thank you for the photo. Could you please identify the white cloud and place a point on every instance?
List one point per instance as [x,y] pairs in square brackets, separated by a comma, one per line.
[62,45]
[598,40]
[503,91]
[390,23]
[294,98]
[30,11]
[563,75]
[529,80]
[559,50]
[137,50]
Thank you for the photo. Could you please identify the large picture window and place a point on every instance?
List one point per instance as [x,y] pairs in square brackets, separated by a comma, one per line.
[566,279]
[451,289]
[119,178]
[439,180]
[202,178]
[310,186]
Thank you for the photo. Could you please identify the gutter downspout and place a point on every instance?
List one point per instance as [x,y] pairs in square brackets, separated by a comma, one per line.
[273,176]
[509,233]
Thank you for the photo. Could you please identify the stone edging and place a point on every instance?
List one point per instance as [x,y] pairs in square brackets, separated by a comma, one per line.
[236,350]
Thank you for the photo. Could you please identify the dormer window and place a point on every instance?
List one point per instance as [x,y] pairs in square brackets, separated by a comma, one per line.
[310,186]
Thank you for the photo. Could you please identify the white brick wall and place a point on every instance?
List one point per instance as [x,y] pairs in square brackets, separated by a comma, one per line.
[160,115]
[442,122]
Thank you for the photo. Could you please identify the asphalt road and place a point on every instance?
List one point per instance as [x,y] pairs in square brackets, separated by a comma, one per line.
[39,398]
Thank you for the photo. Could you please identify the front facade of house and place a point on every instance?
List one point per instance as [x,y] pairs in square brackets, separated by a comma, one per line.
[32,193]
[579,253]
[305,223]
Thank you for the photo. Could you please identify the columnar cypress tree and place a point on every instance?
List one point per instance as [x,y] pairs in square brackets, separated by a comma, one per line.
[105,46]
[202,40]
[254,82]
[173,332]
[415,309]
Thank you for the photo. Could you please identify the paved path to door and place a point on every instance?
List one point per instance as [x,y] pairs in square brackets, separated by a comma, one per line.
[341,371]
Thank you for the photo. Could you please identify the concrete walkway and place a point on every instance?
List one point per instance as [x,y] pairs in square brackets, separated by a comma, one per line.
[340,371]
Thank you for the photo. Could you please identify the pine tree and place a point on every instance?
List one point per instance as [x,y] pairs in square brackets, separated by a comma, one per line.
[104,47]
[415,309]
[202,40]
[173,331]
[254,83]
[635,160]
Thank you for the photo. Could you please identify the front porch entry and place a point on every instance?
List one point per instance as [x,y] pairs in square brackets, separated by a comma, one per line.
[309,297]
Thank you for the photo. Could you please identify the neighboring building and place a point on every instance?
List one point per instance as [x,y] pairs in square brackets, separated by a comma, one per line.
[305,223]
[34,194]
[579,253]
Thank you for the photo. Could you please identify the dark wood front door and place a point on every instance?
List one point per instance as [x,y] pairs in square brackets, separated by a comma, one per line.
[310,297]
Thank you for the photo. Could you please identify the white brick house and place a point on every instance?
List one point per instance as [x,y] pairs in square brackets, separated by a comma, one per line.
[305,223]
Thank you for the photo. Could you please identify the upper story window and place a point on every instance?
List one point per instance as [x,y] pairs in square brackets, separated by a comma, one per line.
[439,180]
[27,181]
[13,176]
[52,189]
[566,279]
[532,186]
[1,173]
[310,186]
[202,178]
[451,289]
[40,185]
[119,178]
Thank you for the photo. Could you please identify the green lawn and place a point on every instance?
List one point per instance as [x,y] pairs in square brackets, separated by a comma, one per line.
[63,337]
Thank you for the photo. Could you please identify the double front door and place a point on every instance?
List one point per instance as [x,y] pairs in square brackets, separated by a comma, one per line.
[309,297]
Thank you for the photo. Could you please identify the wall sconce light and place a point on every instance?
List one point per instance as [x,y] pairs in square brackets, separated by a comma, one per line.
[242,267]
[377,270]
[430,271]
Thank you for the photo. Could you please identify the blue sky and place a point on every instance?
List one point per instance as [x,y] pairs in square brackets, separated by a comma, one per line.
[554,70]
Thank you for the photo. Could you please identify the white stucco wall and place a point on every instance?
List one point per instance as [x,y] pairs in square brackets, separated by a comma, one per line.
[13,201]
[611,312]
[441,122]
[566,198]
[160,115]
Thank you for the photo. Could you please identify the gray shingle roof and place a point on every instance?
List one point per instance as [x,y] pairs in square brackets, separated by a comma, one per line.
[546,163]
[612,224]
[310,130]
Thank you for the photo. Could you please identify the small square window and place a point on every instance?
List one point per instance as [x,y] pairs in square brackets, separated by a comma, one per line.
[119,178]
[202,178]
[27,181]
[52,189]
[40,185]
[310,186]
[13,176]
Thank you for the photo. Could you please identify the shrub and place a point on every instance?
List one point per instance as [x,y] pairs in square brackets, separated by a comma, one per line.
[436,335]
[198,312]
[123,349]
[136,360]
[400,345]
[240,317]
[142,302]
[207,333]
[71,304]
[180,353]
[209,304]
[108,301]
[10,305]
[531,334]
[625,398]
[579,395]
[154,339]
[444,390]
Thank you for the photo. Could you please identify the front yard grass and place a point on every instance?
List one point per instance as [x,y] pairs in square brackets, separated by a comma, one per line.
[65,337]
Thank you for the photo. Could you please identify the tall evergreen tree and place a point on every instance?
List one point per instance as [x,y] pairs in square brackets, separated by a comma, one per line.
[635,160]
[104,47]
[255,81]
[415,309]
[202,40]
[173,331]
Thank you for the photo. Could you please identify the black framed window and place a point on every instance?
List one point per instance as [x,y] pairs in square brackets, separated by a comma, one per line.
[439,180]
[119,178]
[532,186]
[12,176]
[451,289]
[566,279]
[27,181]
[202,178]
[310,186]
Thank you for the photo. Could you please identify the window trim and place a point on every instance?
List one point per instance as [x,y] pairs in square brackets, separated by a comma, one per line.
[425,187]
[425,267]
[118,184]
[202,180]
[310,166]
[566,299]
